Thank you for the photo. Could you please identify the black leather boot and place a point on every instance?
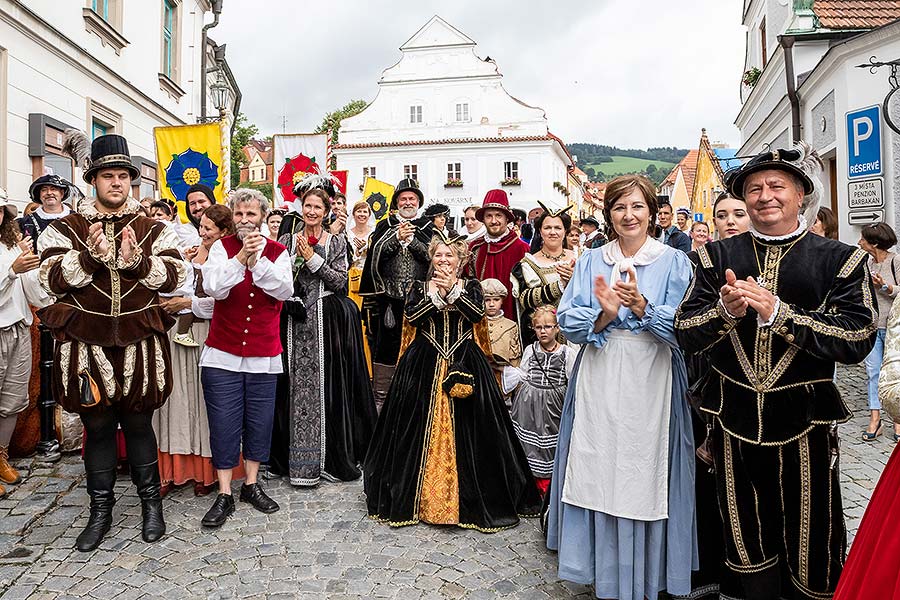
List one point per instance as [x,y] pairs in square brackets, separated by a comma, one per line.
[146,478]
[100,486]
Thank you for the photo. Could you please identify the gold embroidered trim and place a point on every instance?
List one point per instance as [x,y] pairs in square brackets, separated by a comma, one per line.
[145,363]
[106,370]
[703,255]
[851,263]
[748,569]
[809,592]
[65,355]
[805,509]
[731,497]
[160,365]
[130,357]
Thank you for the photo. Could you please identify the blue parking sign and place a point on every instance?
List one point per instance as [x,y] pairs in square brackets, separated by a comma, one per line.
[864,142]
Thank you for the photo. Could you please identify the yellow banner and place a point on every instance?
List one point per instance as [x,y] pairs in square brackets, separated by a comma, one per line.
[189,154]
[378,195]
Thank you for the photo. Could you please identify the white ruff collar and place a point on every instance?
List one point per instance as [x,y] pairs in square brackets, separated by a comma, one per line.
[50,216]
[493,240]
[801,227]
[495,317]
[89,210]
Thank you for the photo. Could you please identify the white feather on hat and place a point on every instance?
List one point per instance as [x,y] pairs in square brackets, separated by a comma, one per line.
[811,164]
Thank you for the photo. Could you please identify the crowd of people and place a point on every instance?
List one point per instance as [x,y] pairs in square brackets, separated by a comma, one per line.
[640,384]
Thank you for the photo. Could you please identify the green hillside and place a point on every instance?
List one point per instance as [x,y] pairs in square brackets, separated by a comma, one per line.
[626,164]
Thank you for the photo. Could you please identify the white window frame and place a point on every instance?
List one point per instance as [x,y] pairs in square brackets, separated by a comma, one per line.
[454,171]
[411,172]
[368,172]
[415,113]
[462,112]
[511,169]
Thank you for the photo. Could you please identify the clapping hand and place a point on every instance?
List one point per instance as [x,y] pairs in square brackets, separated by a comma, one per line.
[405,231]
[360,243]
[566,270]
[191,253]
[27,260]
[253,243]
[629,294]
[609,303]
[732,298]
[97,240]
[303,247]
[757,297]
[340,222]
[444,279]
[128,245]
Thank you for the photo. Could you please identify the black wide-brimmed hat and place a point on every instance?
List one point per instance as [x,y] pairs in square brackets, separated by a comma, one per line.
[106,152]
[779,160]
[590,220]
[407,185]
[34,190]
[434,210]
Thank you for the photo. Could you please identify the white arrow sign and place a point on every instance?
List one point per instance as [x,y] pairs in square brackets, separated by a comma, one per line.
[865,217]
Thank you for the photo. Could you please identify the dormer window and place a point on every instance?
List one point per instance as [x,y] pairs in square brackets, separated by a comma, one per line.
[415,113]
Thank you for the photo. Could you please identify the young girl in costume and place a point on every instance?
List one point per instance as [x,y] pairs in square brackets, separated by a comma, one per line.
[540,386]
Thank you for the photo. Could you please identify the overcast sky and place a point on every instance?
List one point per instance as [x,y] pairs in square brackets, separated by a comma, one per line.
[629,73]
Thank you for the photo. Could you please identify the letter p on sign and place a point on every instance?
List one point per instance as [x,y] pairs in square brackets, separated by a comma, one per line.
[864,156]
[862,130]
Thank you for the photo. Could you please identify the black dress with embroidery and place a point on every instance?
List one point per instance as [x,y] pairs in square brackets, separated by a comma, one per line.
[442,459]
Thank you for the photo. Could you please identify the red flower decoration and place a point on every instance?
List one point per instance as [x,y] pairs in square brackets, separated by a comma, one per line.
[313,240]
[293,171]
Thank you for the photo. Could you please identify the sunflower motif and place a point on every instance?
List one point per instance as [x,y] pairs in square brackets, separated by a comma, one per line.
[189,168]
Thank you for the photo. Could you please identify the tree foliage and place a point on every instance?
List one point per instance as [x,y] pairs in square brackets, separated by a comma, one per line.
[243,133]
[266,189]
[332,121]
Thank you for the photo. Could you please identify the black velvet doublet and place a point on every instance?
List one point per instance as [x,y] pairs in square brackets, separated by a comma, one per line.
[770,385]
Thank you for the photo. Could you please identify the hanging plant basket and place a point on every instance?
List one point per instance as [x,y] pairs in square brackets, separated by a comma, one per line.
[454,183]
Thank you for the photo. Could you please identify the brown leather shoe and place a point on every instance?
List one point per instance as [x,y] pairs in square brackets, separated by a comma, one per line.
[2,491]
[164,489]
[8,474]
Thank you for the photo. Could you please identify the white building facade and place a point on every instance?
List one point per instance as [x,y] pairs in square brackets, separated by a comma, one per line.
[811,88]
[442,117]
[101,66]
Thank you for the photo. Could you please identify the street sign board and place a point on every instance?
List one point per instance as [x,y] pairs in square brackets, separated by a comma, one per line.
[866,217]
[864,142]
[865,194]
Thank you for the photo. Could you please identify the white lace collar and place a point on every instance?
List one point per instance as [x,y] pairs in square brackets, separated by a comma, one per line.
[801,227]
[89,210]
[39,211]
[495,317]
[493,240]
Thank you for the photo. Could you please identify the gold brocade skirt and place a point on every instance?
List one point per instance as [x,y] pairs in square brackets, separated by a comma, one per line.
[439,498]
[354,277]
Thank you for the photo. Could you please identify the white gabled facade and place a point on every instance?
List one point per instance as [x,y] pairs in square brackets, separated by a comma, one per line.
[101,66]
[442,113]
[828,85]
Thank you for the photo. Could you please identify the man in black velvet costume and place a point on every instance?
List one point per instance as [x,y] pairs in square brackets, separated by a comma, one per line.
[398,256]
[774,309]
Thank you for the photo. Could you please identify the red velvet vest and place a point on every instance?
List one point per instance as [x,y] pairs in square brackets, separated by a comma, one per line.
[246,323]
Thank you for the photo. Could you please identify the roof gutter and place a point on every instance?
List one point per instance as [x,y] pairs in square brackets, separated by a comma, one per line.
[787,43]
[217,10]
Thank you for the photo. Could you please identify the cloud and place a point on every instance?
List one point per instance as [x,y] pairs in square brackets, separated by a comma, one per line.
[631,73]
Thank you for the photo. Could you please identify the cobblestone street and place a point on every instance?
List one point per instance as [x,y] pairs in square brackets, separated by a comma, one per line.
[319,545]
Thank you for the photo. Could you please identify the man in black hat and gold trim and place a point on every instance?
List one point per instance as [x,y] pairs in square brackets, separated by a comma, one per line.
[398,256]
[107,265]
[774,309]
[50,191]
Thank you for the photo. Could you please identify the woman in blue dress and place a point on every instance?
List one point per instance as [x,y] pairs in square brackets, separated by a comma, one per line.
[621,512]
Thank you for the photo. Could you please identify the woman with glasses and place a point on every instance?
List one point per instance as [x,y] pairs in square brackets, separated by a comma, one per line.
[621,510]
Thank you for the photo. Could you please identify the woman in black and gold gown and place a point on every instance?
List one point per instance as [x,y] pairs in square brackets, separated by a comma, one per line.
[444,450]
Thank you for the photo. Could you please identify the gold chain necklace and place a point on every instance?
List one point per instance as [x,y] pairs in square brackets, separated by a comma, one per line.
[763,273]
[548,257]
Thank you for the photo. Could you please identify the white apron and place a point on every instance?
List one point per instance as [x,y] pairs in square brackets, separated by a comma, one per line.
[619,452]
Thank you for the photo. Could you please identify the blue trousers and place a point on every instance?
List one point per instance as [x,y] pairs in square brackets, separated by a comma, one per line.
[240,407]
[873,369]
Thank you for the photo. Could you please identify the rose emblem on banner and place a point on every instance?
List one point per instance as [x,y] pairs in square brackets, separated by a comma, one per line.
[293,171]
[189,168]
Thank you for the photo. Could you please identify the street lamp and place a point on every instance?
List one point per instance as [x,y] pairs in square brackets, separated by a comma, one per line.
[219,91]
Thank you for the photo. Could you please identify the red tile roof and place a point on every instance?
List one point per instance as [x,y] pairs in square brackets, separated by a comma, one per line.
[856,14]
[688,165]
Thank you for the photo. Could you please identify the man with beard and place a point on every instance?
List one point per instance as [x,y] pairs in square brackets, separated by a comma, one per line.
[398,256]
[107,266]
[198,198]
[494,255]
[249,276]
